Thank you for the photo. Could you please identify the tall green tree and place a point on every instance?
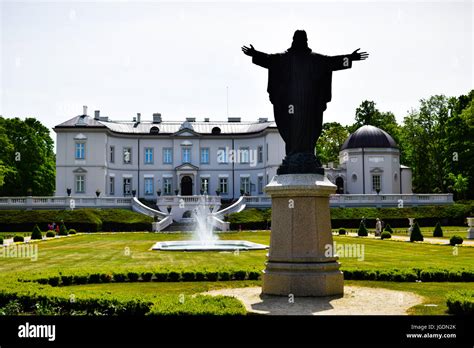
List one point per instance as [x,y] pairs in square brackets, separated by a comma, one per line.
[459,143]
[329,143]
[27,156]
[438,141]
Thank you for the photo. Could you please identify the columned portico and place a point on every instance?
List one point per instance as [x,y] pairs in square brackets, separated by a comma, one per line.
[186,175]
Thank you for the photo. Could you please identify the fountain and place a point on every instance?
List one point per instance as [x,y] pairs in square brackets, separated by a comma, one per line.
[205,239]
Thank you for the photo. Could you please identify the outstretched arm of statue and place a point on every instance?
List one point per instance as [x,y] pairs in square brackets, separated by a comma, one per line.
[359,55]
[345,61]
[258,58]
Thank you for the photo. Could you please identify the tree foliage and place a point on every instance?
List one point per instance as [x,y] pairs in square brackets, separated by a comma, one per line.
[329,144]
[27,160]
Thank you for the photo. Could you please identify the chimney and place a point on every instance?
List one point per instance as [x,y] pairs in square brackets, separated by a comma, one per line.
[84,110]
[233,119]
[139,117]
[191,119]
[262,120]
[157,118]
[97,115]
[206,119]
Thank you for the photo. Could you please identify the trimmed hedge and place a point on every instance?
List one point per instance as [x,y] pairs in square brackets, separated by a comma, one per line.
[158,276]
[84,220]
[385,235]
[36,234]
[411,275]
[18,239]
[454,240]
[416,235]
[63,230]
[30,299]
[397,275]
[362,232]
[342,231]
[461,302]
[447,215]
[50,234]
[438,231]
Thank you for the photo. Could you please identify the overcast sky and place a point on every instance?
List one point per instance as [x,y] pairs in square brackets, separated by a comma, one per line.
[178,58]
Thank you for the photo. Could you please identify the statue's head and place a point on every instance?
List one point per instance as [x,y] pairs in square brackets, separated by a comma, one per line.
[300,40]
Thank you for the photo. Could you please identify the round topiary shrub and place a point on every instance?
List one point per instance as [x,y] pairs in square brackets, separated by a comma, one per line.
[174,276]
[146,276]
[63,230]
[388,228]
[342,231]
[385,235]
[362,232]
[119,277]
[133,276]
[36,234]
[456,240]
[50,234]
[438,231]
[72,231]
[416,235]
[161,276]
[211,276]
[200,276]
[18,239]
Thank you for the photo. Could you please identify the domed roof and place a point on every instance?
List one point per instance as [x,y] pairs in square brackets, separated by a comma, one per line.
[369,136]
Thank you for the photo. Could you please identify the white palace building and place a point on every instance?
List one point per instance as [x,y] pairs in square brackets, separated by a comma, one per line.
[160,157]
[154,159]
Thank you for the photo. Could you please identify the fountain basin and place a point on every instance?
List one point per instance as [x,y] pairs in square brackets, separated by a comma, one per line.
[220,245]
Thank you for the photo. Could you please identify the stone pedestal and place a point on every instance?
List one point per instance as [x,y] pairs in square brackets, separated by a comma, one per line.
[298,259]
[470,230]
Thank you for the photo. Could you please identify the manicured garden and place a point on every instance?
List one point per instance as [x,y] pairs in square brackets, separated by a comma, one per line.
[118,274]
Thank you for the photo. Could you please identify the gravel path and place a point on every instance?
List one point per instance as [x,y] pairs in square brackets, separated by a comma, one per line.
[356,301]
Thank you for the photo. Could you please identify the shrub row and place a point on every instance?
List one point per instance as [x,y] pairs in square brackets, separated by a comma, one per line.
[429,275]
[396,275]
[83,220]
[20,298]
[447,215]
[461,302]
[158,276]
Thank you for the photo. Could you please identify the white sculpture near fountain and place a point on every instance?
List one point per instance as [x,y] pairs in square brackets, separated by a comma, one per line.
[470,231]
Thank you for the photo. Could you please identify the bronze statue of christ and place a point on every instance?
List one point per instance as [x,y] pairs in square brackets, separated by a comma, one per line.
[299,86]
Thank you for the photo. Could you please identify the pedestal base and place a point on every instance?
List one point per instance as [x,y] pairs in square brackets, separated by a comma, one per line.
[303,279]
[300,259]
[470,233]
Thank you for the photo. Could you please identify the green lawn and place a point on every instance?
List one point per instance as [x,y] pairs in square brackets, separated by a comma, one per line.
[131,251]
[109,252]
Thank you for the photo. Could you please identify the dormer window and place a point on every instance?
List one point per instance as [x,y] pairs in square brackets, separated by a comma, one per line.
[216,130]
[154,130]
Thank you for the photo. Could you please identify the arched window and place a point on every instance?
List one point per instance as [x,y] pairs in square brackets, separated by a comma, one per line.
[154,130]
